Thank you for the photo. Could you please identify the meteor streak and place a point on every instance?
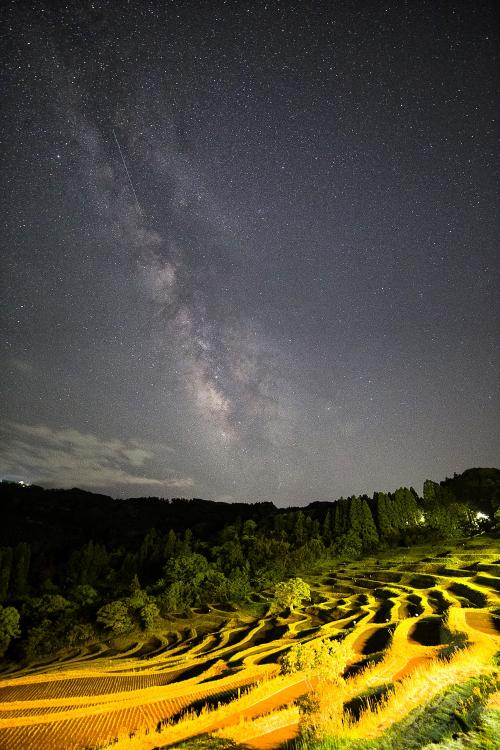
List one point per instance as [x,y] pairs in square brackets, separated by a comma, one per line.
[128,173]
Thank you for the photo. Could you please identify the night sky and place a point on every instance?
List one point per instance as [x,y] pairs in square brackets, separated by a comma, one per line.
[248,248]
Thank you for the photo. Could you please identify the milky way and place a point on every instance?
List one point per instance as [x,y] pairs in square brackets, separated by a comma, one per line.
[248,248]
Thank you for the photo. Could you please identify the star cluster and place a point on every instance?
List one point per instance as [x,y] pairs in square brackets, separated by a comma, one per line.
[249,247]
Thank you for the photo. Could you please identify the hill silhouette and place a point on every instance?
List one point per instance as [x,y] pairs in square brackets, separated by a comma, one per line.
[65,518]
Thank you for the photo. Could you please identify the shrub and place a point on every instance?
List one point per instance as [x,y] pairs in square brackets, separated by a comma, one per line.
[324,657]
[9,627]
[289,594]
[149,615]
[115,617]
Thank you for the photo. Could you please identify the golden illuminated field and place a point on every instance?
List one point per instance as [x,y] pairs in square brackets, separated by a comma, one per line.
[397,618]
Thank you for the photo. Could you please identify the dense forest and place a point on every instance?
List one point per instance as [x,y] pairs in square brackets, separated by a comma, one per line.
[76,567]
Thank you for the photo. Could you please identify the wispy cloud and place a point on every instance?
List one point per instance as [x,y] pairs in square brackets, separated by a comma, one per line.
[68,457]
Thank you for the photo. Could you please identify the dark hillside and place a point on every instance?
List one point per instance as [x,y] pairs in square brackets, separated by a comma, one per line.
[69,518]
[480,488]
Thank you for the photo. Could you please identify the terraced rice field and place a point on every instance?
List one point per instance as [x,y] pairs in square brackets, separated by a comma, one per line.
[395,616]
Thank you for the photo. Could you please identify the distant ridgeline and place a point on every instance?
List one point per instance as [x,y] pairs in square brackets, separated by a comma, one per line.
[64,554]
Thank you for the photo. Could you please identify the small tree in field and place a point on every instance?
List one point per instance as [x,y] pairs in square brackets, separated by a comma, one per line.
[289,594]
[323,663]
[115,617]
[149,615]
[318,658]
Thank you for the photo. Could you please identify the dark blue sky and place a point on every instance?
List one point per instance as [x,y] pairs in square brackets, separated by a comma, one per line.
[249,248]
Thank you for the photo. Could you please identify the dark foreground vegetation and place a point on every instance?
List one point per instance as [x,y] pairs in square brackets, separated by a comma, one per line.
[76,567]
